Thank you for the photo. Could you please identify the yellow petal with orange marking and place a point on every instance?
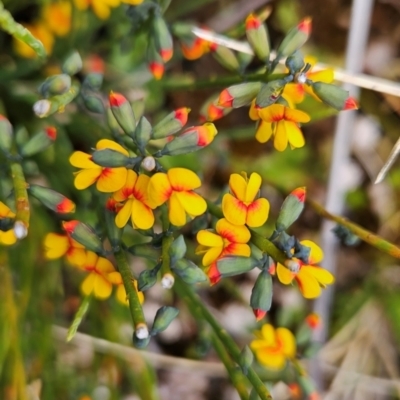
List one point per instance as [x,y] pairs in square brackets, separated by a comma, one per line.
[287,341]
[124,213]
[231,232]
[86,177]
[183,179]
[159,189]
[316,253]
[296,115]
[176,212]
[111,179]
[87,285]
[104,266]
[253,186]
[126,190]
[110,144]
[253,111]
[272,113]
[294,92]
[308,284]
[294,134]
[76,256]
[142,215]
[212,255]
[237,249]
[80,159]
[209,239]
[281,138]
[234,210]
[192,203]
[257,213]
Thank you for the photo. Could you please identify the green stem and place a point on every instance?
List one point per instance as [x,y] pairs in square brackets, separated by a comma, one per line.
[365,235]
[134,304]
[80,314]
[222,335]
[166,242]
[21,200]
[190,82]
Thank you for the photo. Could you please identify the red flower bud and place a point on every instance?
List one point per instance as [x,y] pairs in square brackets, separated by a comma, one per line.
[166,54]
[225,99]
[252,22]
[69,226]
[313,321]
[51,132]
[213,274]
[305,25]
[350,104]
[116,99]
[259,314]
[157,69]
[300,193]
[65,206]
[181,114]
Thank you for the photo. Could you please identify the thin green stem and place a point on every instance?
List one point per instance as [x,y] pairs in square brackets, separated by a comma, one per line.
[21,200]
[222,334]
[166,242]
[190,82]
[80,314]
[134,303]
[365,235]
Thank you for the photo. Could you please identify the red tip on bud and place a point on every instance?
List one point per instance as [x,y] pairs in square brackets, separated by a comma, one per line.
[212,46]
[65,206]
[300,193]
[69,226]
[225,99]
[95,64]
[350,104]
[305,25]
[166,54]
[181,114]
[313,321]
[116,99]
[314,396]
[213,274]
[259,314]
[295,390]
[214,112]
[111,204]
[51,132]
[272,269]
[157,69]
[252,22]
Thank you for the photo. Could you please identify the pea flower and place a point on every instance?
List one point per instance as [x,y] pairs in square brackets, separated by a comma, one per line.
[241,207]
[8,237]
[116,279]
[282,122]
[137,204]
[58,245]
[228,239]
[273,347]
[176,188]
[97,282]
[102,8]
[107,179]
[310,277]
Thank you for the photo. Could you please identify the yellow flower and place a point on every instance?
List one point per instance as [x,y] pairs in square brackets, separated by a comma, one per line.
[57,245]
[107,179]
[137,205]
[310,278]
[41,32]
[229,239]
[282,122]
[176,188]
[102,8]
[7,238]
[57,17]
[97,282]
[241,207]
[273,348]
[116,279]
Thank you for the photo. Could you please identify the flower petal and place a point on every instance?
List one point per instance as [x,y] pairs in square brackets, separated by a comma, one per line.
[8,237]
[104,266]
[268,334]
[287,341]
[294,134]
[271,359]
[284,275]
[316,253]
[86,177]
[323,75]
[234,210]
[159,189]
[253,186]
[192,202]
[5,212]
[273,113]
[141,190]
[237,249]
[124,213]
[56,245]
[264,131]
[237,185]
[257,213]
[142,216]
[111,179]
[212,255]
[121,295]
[176,212]
[209,239]
[253,111]
[126,190]
[76,256]
[323,276]
[233,233]
[115,278]
[308,284]
[183,179]
[87,285]
[281,139]
[296,115]
[110,144]
[80,159]
[294,91]
[102,287]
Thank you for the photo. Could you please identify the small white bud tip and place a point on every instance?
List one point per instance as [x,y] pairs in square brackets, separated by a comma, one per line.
[20,230]
[301,78]
[149,163]
[167,281]
[292,266]
[41,108]
[142,331]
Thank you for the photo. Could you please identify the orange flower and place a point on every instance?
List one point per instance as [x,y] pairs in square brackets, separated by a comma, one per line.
[241,207]
[107,179]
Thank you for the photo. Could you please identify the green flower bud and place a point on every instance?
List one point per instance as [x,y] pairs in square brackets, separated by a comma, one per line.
[114,233]
[236,265]
[84,235]
[113,123]
[257,35]
[51,199]
[162,38]
[177,249]
[270,92]
[145,250]
[94,104]
[72,64]
[110,158]
[143,133]
[189,272]
[39,142]
[291,209]
[93,81]
[171,124]
[54,85]
[295,63]
[239,95]
[148,278]
[334,96]
[226,57]
[6,134]
[123,113]
[261,295]
[164,316]
[246,359]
